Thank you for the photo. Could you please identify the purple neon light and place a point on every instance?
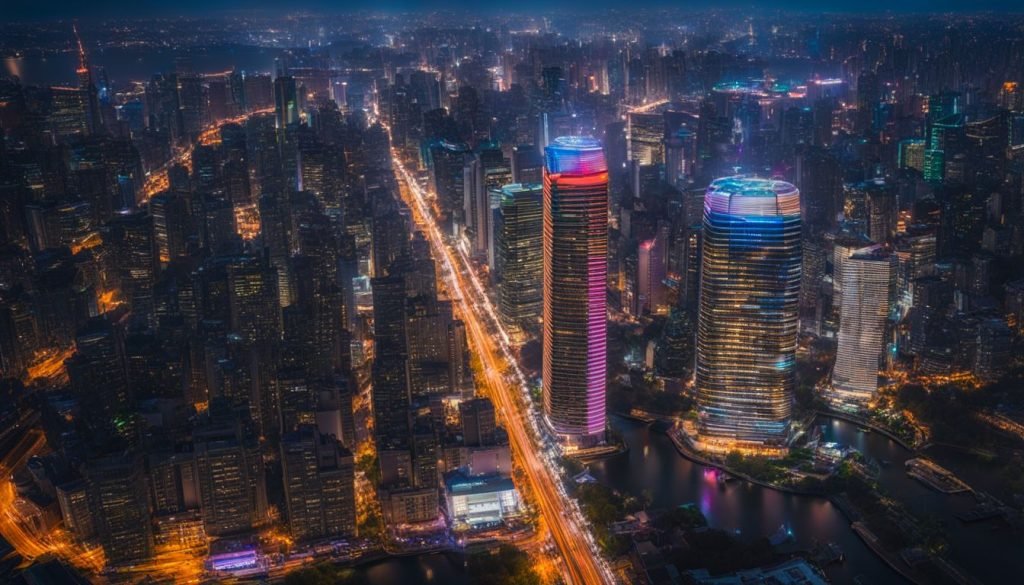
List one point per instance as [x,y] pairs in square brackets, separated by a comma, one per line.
[575,156]
[578,162]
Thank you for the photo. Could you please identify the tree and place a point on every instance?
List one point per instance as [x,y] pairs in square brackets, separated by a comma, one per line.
[507,566]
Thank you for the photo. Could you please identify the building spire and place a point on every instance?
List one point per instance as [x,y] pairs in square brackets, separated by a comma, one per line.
[83,61]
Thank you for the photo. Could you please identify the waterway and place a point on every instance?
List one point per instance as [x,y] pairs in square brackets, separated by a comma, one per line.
[654,468]
[440,569]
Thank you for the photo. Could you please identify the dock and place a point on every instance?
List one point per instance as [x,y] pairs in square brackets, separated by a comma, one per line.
[935,476]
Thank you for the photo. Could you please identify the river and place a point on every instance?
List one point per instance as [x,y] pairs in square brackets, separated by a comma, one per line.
[653,466]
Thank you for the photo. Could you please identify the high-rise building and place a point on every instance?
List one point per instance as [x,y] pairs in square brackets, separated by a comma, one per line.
[448,178]
[120,509]
[232,486]
[478,422]
[527,164]
[519,268]
[253,302]
[646,135]
[749,299]
[869,278]
[319,485]
[286,101]
[575,273]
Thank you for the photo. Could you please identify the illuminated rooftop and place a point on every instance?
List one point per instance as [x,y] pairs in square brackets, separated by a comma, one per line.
[752,196]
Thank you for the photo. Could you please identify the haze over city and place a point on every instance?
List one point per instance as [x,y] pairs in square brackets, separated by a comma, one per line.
[547,293]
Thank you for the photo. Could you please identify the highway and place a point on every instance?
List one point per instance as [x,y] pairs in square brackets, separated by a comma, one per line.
[157,180]
[581,563]
[25,540]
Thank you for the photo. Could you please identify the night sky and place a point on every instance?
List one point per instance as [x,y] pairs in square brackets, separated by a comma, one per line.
[29,9]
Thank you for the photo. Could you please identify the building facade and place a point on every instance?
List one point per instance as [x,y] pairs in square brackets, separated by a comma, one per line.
[747,326]
[575,272]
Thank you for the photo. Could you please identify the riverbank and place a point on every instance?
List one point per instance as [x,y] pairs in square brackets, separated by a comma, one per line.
[863,422]
[684,449]
[915,568]
[655,470]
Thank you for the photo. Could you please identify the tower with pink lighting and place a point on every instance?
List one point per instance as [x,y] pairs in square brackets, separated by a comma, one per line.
[575,273]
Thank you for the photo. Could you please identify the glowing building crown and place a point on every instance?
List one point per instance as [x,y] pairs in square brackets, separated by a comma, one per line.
[575,155]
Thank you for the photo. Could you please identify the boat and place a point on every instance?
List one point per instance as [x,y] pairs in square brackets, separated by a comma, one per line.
[863,429]
[783,534]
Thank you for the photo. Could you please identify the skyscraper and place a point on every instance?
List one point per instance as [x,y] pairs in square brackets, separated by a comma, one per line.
[747,327]
[868,283]
[117,500]
[575,271]
[519,266]
[286,101]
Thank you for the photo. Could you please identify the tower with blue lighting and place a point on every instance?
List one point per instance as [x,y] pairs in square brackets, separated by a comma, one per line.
[748,313]
[575,241]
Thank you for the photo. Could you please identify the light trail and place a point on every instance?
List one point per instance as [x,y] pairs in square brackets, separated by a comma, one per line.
[26,541]
[158,181]
[582,563]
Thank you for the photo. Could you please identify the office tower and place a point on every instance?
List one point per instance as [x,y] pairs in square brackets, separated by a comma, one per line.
[98,374]
[131,260]
[843,246]
[680,157]
[229,467]
[575,270]
[880,212]
[650,272]
[478,422]
[994,350]
[911,154]
[192,105]
[527,164]
[519,267]
[68,117]
[812,283]
[646,135]
[390,364]
[253,302]
[93,117]
[119,507]
[447,176]
[170,226]
[319,485]
[484,172]
[747,326]
[286,102]
[945,135]
[869,277]
[459,374]
[258,91]
[675,350]
[73,499]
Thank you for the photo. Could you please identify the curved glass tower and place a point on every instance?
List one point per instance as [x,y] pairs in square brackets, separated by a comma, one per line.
[749,298]
[575,272]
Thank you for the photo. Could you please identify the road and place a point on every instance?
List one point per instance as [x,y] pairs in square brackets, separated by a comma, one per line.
[157,180]
[582,564]
[26,541]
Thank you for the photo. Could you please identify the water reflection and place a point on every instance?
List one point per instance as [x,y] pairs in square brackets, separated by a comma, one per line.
[652,464]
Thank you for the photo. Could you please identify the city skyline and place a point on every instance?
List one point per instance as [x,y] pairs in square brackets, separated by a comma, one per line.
[538,294]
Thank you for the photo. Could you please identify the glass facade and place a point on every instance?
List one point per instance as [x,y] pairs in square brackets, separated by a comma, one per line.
[868,282]
[575,272]
[520,267]
[748,316]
